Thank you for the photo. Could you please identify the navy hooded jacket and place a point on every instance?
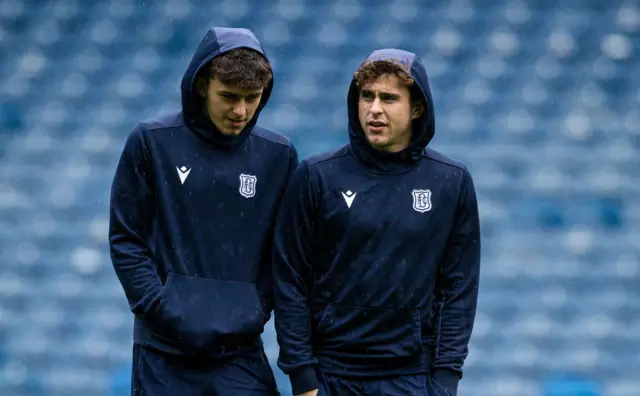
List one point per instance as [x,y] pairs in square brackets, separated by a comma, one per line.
[380,277]
[191,221]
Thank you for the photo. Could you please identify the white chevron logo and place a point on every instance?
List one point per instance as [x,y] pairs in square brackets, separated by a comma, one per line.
[349,197]
[183,172]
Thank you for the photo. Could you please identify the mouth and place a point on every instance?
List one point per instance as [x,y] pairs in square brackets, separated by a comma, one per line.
[235,123]
[376,125]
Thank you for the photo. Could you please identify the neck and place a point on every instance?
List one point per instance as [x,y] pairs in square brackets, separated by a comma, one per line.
[398,146]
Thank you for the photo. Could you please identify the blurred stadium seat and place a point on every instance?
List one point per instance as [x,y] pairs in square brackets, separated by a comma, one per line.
[540,98]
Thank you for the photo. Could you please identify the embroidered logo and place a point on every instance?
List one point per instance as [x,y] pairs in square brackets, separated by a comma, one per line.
[349,197]
[421,200]
[183,173]
[247,185]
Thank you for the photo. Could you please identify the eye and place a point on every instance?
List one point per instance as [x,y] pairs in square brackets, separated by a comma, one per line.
[388,98]
[228,96]
[367,95]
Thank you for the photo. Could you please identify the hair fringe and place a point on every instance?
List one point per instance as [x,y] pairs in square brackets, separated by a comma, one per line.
[243,68]
[370,71]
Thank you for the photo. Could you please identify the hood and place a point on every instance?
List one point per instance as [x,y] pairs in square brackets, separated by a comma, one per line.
[423,127]
[217,41]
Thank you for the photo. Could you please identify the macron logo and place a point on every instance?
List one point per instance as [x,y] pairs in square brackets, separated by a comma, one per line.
[183,172]
[349,197]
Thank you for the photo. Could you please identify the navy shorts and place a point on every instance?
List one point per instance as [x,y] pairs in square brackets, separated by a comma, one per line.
[156,375]
[410,385]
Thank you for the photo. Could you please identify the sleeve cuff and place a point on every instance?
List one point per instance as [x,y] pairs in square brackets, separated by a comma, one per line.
[304,379]
[447,379]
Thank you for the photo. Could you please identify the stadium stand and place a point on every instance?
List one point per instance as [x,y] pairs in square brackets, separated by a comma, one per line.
[540,98]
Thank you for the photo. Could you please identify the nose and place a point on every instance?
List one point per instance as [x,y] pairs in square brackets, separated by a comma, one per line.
[376,108]
[240,109]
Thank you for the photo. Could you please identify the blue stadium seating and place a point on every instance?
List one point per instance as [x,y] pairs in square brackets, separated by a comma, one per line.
[541,98]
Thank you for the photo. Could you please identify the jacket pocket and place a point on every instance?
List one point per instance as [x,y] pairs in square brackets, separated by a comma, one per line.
[209,313]
[436,389]
[369,334]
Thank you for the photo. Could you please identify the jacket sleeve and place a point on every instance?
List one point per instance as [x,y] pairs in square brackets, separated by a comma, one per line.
[265,277]
[132,207]
[457,293]
[295,236]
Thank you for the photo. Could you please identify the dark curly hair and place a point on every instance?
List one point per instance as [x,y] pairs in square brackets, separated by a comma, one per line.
[369,71]
[243,68]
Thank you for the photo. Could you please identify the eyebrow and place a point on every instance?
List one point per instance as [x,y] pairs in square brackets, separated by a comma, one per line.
[235,94]
[383,94]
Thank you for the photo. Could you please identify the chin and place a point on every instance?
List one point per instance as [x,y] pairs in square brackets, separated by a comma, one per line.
[378,143]
[230,132]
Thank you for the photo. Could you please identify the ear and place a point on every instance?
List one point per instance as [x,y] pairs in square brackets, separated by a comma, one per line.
[417,110]
[202,86]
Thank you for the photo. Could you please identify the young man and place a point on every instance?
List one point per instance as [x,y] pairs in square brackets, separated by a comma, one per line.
[377,249]
[193,205]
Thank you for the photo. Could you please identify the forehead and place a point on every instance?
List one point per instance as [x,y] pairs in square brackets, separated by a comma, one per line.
[218,85]
[386,83]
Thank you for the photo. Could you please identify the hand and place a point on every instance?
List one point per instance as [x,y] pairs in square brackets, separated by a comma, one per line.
[310,393]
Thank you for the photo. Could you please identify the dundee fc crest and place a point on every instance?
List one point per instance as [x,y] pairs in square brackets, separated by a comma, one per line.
[248,185]
[421,200]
